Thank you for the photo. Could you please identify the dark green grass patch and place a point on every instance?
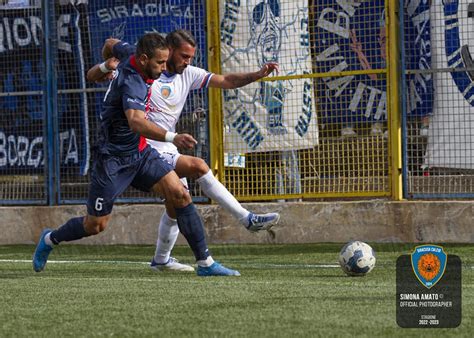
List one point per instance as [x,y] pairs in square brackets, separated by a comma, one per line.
[284,291]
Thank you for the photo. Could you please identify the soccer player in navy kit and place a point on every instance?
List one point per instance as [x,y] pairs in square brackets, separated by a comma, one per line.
[124,159]
[168,96]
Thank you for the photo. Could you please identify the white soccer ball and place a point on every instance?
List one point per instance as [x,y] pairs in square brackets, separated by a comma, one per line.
[357,258]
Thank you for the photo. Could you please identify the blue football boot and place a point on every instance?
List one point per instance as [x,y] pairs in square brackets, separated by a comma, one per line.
[216,269]
[42,252]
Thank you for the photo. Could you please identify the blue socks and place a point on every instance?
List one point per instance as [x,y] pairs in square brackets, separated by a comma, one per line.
[190,225]
[69,231]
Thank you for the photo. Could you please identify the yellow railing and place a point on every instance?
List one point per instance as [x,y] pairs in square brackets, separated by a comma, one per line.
[366,165]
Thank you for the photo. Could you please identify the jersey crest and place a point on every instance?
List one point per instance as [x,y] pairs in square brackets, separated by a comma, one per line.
[165,91]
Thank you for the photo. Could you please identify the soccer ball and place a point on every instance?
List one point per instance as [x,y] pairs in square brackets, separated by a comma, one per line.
[357,258]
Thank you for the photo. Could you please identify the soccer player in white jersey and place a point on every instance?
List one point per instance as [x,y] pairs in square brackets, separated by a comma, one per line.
[168,96]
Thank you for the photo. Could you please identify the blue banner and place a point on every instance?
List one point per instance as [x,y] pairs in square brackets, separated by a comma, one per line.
[350,36]
[22,112]
[418,53]
[128,21]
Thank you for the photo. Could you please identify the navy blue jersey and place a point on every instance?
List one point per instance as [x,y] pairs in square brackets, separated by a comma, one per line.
[128,90]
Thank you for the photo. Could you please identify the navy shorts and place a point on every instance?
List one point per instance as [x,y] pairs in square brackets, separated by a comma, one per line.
[111,175]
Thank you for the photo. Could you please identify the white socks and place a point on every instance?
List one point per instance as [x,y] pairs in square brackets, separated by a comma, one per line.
[47,240]
[168,232]
[206,262]
[168,229]
[214,189]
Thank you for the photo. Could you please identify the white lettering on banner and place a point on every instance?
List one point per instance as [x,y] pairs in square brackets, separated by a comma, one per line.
[326,54]
[338,85]
[147,10]
[22,32]
[349,6]
[18,151]
[17,24]
[19,32]
[69,138]
[36,147]
[340,27]
[334,23]
[63,21]
[374,93]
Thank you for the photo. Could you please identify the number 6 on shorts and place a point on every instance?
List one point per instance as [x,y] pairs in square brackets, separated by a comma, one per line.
[98,203]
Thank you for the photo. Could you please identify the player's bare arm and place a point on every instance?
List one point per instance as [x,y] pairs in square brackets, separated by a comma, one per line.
[140,125]
[103,71]
[237,80]
[107,48]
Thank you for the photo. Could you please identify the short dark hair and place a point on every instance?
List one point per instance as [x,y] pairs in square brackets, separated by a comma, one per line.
[176,38]
[149,42]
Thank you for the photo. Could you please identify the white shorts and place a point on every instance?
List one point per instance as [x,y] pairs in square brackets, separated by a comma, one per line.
[172,158]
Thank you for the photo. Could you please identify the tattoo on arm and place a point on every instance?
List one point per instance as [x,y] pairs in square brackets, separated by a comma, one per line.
[238,80]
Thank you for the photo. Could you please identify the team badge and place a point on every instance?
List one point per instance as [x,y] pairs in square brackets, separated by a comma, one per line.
[165,91]
[428,262]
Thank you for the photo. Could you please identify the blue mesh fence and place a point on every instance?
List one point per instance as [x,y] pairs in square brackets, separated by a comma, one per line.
[22,127]
[438,74]
[49,112]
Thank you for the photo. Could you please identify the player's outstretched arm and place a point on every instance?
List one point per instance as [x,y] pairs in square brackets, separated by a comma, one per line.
[103,71]
[140,125]
[237,80]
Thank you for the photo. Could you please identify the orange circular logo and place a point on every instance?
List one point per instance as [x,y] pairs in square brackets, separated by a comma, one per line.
[165,91]
[428,266]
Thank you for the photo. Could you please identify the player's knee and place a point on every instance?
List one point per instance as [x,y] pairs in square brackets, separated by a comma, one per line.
[179,197]
[200,167]
[96,226]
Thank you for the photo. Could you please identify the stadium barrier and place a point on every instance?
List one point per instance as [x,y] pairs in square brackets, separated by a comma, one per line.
[345,117]
[301,222]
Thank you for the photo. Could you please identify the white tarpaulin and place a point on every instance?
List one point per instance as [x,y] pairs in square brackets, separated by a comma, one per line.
[450,138]
[276,115]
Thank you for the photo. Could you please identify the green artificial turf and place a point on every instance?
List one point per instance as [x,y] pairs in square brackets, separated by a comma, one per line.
[284,291]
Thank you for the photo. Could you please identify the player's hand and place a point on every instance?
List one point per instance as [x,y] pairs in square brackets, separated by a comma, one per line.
[112,63]
[185,141]
[268,68]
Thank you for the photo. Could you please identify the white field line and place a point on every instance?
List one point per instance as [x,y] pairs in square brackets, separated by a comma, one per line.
[250,265]
[297,266]
[72,262]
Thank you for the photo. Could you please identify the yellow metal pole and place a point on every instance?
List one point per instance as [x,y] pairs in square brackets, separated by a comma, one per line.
[215,115]
[394,118]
